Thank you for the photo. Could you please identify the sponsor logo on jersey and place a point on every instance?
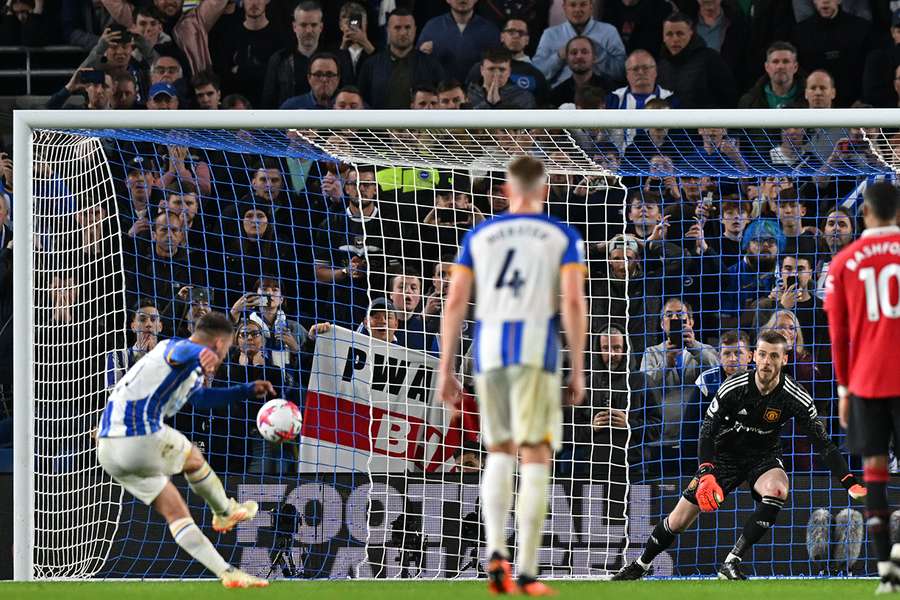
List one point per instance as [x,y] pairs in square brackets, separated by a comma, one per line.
[771,415]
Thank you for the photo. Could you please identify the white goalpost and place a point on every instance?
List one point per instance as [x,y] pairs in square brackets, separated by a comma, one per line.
[76,284]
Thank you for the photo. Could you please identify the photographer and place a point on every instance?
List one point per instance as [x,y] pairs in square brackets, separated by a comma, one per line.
[406,536]
[671,368]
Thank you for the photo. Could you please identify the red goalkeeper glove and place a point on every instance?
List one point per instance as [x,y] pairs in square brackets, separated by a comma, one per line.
[854,488]
[709,493]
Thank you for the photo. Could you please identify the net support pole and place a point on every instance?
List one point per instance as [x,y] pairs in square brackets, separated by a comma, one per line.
[23,352]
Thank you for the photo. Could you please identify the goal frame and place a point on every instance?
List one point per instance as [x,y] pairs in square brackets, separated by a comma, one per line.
[25,122]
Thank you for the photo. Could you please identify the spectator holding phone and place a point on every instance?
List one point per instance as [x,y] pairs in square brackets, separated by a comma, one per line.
[284,338]
[94,83]
[671,368]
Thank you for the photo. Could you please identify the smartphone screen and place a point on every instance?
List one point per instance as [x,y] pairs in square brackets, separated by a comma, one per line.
[676,335]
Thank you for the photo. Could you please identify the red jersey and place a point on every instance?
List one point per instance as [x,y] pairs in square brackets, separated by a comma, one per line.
[862,299]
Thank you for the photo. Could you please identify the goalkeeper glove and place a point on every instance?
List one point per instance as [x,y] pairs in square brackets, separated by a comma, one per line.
[854,488]
[709,493]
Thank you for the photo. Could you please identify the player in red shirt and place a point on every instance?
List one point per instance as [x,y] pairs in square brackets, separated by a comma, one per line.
[862,299]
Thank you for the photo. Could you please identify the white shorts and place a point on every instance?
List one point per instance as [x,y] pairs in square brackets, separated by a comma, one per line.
[520,404]
[142,464]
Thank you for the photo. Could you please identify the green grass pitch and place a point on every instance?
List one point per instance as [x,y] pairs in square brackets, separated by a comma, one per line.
[812,589]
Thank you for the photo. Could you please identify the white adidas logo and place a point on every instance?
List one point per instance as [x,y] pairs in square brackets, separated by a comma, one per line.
[743,412]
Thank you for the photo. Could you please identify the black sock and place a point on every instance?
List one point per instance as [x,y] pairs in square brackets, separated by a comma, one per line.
[758,524]
[878,519]
[659,540]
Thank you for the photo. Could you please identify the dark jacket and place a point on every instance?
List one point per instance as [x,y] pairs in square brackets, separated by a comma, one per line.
[698,75]
[285,77]
[838,45]
[523,74]
[639,24]
[755,97]
[376,75]
[511,96]
[878,77]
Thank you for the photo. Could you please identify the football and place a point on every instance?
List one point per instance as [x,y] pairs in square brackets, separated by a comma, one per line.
[279,420]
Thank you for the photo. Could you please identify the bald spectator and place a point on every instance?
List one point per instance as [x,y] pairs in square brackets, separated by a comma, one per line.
[878,75]
[387,77]
[458,38]
[496,90]
[207,90]
[514,37]
[579,60]
[838,42]
[698,75]
[324,76]
[782,84]
[451,95]
[349,98]
[609,52]
[287,68]
[640,71]
[727,32]
[638,21]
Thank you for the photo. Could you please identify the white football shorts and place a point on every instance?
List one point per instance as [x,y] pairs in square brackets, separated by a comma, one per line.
[142,464]
[520,403]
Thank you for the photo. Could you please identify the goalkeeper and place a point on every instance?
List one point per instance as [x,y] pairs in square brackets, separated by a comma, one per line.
[740,440]
[140,452]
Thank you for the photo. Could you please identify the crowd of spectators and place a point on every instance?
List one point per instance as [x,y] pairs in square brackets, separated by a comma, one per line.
[683,269]
[500,53]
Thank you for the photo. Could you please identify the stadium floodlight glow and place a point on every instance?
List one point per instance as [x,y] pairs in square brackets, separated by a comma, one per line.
[68,515]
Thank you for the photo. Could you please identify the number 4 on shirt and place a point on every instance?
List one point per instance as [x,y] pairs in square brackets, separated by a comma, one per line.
[515,280]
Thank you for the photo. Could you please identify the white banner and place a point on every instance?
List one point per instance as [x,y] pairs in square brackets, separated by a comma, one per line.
[371,406]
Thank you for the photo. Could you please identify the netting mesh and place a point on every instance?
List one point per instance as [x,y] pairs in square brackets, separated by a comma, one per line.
[302,236]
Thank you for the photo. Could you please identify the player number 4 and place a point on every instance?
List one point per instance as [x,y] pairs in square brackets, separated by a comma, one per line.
[878,291]
[514,281]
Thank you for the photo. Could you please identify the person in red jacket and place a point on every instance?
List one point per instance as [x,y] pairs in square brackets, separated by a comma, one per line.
[862,299]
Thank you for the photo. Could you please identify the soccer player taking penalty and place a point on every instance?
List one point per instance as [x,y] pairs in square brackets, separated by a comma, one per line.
[740,440]
[524,266]
[862,300]
[140,452]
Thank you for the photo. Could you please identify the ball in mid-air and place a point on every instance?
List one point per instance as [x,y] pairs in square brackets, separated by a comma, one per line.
[279,420]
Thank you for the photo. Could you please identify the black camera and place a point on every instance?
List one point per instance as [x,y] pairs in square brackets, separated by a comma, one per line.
[355,20]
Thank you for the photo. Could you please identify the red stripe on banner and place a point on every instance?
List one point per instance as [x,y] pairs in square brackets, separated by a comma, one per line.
[346,423]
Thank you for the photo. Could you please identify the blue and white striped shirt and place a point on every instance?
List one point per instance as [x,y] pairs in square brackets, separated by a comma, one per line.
[517,260]
[157,386]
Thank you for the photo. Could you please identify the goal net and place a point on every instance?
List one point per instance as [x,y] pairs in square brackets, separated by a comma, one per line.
[331,246]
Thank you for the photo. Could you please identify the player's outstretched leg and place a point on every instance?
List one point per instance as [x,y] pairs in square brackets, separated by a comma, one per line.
[665,532]
[188,536]
[876,475]
[496,499]
[227,512]
[772,486]
[531,510]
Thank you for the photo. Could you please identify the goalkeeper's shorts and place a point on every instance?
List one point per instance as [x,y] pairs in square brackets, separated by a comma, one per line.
[520,404]
[142,464]
[732,473]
